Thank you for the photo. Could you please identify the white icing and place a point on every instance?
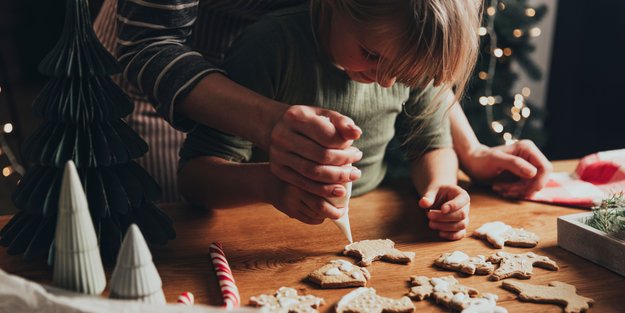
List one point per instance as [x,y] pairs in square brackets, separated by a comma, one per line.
[332,272]
[350,297]
[357,275]
[487,304]
[287,302]
[494,230]
[343,222]
[456,257]
[344,265]
[440,285]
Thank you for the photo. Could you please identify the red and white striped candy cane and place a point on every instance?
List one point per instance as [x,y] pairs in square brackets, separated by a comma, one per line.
[229,290]
[186,298]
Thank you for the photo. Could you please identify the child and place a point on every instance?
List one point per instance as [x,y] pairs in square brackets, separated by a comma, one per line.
[347,55]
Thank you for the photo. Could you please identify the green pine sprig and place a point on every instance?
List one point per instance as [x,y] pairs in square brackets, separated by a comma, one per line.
[609,216]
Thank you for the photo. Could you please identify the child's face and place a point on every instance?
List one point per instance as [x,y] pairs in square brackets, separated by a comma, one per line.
[356,52]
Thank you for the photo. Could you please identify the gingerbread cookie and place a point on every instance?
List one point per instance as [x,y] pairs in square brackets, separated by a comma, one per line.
[340,274]
[372,250]
[500,234]
[486,304]
[365,300]
[556,292]
[286,300]
[440,289]
[519,265]
[461,262]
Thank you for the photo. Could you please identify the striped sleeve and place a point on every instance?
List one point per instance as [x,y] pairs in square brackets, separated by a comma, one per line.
[151,48]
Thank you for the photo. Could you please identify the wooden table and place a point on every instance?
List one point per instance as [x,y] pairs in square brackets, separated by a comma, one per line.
[268,250]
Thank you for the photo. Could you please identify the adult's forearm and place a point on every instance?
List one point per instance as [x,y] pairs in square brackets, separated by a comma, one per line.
[435,168]
[225,105]
[213,182]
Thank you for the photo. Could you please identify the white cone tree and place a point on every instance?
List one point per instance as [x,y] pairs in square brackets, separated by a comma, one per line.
[77,262]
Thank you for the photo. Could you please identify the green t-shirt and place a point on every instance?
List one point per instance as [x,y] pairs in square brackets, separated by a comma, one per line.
[279,58]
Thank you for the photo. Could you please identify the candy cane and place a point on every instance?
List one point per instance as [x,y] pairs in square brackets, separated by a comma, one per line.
[229,291]
[186,298]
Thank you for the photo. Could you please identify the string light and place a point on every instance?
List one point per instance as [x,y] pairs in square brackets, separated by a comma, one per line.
[497,127]
[518,109]
[535,32]
[7,128]
[7,171]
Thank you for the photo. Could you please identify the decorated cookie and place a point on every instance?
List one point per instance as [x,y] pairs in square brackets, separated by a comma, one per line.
[340,274]
[500,234]
[286,300]
[519,265]
[486,304]
[447,291]
[365,300]
[372,250]
[556,292]
[461,262]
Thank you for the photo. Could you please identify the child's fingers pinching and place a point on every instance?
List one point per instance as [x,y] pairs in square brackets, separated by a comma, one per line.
[452,235]
[457,197]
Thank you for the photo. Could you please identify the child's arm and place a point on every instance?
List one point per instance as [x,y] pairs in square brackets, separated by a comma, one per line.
[434,175]
[434,164]
[213,182]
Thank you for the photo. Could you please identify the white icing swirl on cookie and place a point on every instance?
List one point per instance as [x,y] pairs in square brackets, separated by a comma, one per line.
[456,257]
[332,272]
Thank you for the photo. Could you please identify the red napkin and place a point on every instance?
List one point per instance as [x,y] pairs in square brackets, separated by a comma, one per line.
[597,176]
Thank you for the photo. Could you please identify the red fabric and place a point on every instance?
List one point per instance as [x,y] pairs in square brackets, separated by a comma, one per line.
[596,177]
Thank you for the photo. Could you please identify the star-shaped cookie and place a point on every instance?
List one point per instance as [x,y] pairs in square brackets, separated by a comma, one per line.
[373,250]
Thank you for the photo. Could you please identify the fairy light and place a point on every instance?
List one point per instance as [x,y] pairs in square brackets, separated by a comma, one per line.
[497,127]
[535,32]
[7,171]
[518,109]
[7,128]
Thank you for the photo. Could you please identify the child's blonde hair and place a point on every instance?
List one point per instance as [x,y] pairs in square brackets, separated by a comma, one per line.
[438,43]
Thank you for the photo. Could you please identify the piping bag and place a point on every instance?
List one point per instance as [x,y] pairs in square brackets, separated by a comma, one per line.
[343,202]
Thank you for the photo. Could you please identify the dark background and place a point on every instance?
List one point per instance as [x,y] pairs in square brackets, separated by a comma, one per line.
[586,90]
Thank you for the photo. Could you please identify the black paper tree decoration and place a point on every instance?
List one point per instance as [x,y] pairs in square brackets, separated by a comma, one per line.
[83,110]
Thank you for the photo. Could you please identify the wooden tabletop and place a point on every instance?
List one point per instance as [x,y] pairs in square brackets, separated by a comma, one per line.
[267,250]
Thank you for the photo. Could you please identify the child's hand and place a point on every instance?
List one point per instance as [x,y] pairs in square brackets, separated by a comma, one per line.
[522,159]
[448,210]
[303,206]
[309,147]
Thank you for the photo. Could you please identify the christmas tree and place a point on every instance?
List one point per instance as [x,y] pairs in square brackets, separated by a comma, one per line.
[497,113]
[83,110]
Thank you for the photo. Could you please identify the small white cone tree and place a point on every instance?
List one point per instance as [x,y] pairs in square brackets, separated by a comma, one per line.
[135,277]
[77,262]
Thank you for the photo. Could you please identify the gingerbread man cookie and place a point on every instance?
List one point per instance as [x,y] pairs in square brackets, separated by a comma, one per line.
[519,265]
[365,300]
[500,234]
[286,300]
[372,250]
[556,292]
[461,262]
[340,274]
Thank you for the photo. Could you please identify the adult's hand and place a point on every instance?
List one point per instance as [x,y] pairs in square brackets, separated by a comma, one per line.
[310,148]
